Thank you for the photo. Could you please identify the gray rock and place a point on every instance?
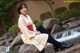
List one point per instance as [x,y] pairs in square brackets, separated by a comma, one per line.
[28,49]
[66,26]
[2,42]
[6,36]
[74,24]
[17,41]
[73,19]
[56,28]
[6,41]
[48,24]
[74,49]
[17,47]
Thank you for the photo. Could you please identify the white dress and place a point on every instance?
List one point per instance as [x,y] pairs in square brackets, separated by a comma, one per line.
[38,41]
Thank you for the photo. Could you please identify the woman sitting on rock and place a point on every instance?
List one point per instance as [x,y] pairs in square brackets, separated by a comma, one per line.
[35,36]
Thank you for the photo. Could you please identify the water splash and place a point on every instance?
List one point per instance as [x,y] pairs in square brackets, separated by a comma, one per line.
[4,49]
[68,35]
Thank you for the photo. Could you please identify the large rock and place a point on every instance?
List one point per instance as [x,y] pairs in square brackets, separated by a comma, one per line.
[74,49]
[6,36]
[28,49]
[74,24]
[17,41]
[56,28]
[66,26]
[73,19]
[5,41]
[48,24]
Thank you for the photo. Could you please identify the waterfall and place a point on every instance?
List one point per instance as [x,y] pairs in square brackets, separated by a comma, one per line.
[68,35]
[5,48]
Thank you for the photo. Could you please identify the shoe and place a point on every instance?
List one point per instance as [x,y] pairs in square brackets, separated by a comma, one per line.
[65,46]
[62,47]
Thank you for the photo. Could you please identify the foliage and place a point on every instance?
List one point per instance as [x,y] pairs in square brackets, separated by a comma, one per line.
[14,29]
[74,5]
[60,10]
[46,15]
[37,23]
[68,14]
[5,12]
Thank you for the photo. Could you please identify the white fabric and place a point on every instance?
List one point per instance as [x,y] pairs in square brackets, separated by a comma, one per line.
[38,41]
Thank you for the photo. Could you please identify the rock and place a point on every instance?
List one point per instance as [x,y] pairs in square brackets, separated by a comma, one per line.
[73,19]
[66,26]
[28,49]
[2,43]
[9,40]
[6,36]
[74,49]
[17,47]
[74,24]
[48,24]
[56,28]
[17,41]
[5,41]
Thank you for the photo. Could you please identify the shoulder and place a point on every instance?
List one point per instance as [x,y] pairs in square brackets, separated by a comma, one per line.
[28,16]
[20,19]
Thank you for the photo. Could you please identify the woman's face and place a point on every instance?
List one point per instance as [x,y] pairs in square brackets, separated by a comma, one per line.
[23,10]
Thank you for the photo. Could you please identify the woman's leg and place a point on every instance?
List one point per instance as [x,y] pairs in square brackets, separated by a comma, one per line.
[57,44]
[50,38]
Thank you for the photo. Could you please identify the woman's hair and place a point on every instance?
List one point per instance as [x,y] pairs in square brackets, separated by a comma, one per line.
[20,5]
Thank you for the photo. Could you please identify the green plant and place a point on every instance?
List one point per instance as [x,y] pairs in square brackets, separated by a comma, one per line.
[60,10]
[68,14]
[6,14]
[46,15]
[14,29]
[74,5]
[37,23]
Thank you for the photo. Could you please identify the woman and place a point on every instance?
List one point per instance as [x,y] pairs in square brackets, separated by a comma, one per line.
[32,35]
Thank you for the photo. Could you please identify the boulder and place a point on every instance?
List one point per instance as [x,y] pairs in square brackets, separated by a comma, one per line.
[2,43]
[74,24]
[66,26]
[48,23]
[57,28]
[17,41]
[28,49]
[74,49]
[73,19]
[6,36]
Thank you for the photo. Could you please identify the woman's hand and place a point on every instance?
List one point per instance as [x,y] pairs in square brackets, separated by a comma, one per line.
[38,32]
